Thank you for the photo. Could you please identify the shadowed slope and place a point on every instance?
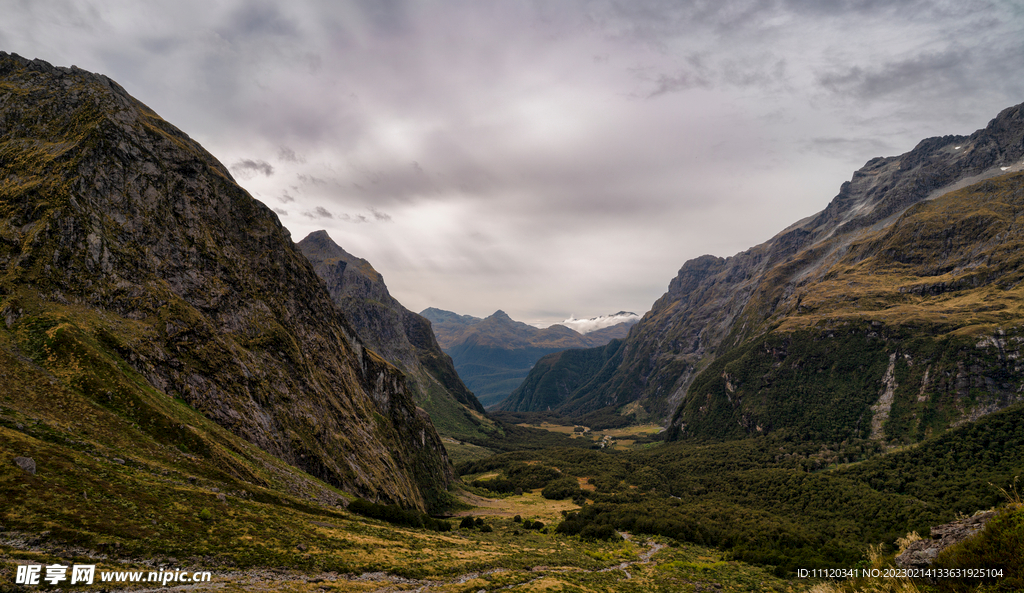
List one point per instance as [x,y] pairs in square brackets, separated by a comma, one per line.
[402,337]
[127,248]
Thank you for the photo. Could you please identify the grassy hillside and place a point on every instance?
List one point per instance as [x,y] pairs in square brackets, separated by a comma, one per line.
[117,487]
[715,304]
[914,330]
[127,248]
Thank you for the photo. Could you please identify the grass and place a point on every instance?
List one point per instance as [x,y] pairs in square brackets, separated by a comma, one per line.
[129,478]
[621,439]
[147,518]
[954,261]
[459,451]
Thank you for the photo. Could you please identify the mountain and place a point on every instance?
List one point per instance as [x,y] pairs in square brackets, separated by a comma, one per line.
[402,337]
[155,312]
[495,354]
[890,313]
[448,326]
[551,382]
[915,329]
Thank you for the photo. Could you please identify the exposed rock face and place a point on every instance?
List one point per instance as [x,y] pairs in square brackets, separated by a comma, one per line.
[27,464]
[120,225]
[922,553]
[400,336]
[715,304]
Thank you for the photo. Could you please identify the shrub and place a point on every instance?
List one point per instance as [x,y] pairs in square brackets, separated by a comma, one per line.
[396,515]
[997,546]
[593,531]
[529,477]
[467,523]
[561,489]
[497,485]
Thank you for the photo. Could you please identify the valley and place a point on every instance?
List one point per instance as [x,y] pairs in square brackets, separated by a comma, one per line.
[251,537]
[494,355]
[182,386]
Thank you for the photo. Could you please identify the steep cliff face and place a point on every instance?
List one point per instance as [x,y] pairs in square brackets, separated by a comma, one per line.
[715,304]
[400,336]
[120,230]
[915,329]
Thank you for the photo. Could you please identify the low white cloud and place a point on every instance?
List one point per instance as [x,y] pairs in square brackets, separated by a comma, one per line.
[585,326]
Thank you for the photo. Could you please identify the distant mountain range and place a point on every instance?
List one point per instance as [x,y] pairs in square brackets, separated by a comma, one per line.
[494,355]
[402,337]
[892,314]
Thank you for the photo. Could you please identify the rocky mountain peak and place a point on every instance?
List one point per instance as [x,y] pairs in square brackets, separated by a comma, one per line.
[402,337]
[716,303]
[118,226]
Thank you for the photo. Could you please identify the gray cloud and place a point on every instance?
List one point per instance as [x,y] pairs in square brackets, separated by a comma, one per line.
[318,212]
[680,82]
[845,147]
[312,180]
[257,19]
[288,155]
[948,70]
[247,168]
[518,150]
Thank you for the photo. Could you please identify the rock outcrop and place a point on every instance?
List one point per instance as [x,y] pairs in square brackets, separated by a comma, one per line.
[26,464]
[716,305]
[923,552]
[123,239]
[400,336]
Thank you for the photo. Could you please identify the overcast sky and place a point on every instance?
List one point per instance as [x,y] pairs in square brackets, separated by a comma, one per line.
[551,157]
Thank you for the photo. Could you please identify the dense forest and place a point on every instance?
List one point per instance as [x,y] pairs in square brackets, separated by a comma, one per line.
[779,500]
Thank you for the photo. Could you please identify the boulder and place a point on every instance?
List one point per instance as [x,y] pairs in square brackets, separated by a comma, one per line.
[26,463]
[923,552]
